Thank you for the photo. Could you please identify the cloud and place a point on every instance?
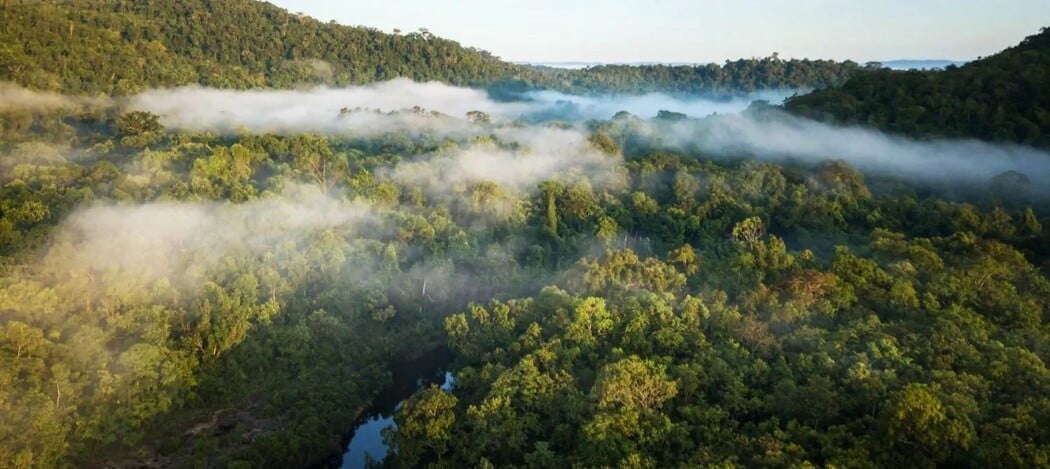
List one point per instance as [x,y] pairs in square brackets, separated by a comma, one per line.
[402,106]
[542,153]
[16,98]
[520,157]
[182,241]
[780,137]
[321,109]
[553,104]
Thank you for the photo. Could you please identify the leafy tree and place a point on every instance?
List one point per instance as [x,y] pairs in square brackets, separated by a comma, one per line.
[424,425]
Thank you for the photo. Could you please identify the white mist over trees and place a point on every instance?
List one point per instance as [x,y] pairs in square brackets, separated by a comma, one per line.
[196,276]
[405,107]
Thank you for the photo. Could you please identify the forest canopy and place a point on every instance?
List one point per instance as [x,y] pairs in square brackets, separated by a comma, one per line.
[1003,97]
[203,276]
[121,47]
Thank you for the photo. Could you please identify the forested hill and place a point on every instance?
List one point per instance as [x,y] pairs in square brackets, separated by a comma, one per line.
[120,46]
[1003,97]
[739,75]
[124,46]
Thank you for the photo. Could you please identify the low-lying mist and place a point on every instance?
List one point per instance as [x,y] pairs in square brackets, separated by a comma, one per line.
[561,106]
[155,240]
[779,137]
[402,105]
[181,241]
[399,105]
[17,98]
[717,127]
[541,153]
[395,229]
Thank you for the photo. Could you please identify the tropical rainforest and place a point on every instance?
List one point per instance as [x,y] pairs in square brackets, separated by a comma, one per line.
[1002,97]
[123,46]
[223,225]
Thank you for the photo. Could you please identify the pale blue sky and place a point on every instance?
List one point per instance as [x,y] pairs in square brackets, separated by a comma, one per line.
[704,30]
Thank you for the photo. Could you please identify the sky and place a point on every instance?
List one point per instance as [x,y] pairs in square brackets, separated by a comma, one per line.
[703,30]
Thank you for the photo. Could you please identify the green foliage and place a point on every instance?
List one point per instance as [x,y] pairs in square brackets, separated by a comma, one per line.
[756,341]
[1003,97]
[658,380]
[753,340]
[120,47]
[702,312]
[424,425]
[732,77]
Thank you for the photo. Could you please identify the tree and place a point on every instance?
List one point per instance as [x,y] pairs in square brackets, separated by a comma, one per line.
[139,128]
[685,258]
[314,160]
[1031,226]
[479,118]
[424,426]
[550,191]
[632,383]
[604,143]
[918,419]
[749,231]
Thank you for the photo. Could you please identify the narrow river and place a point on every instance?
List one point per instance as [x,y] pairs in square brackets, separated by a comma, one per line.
[366,441]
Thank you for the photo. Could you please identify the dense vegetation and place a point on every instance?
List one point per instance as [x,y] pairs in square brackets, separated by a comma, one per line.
[202,351]
[193,299]
[1004,97]
[919,346]
[704,311]
[121,46]
[757,316]
[743,75]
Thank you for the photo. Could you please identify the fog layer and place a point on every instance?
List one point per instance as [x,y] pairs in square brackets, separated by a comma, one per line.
[182,240]
[776,136]
[14,97]
[566,106]
[403,106]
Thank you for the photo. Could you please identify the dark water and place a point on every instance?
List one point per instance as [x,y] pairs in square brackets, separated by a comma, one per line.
[366,440]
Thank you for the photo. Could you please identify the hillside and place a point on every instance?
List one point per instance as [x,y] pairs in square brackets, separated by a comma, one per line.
[1003,97]
[739,75]
[119,46]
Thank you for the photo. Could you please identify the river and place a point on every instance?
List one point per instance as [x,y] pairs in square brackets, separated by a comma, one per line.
[366,441]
